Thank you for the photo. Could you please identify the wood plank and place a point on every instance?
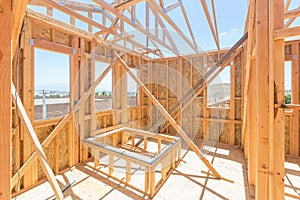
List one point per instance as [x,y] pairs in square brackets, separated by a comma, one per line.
[252,143]
[286,33]
[5,101]
[169,118]
[52,46]
[38,148]
[208,18]
[294,133]
[292,13]
[19,7]
[128,171]
[27,99]
[276,87]
[262,100]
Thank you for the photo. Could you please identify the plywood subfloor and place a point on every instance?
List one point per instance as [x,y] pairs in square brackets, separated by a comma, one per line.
[185,182]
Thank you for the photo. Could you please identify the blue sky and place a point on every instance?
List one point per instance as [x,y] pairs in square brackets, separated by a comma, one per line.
[231,14]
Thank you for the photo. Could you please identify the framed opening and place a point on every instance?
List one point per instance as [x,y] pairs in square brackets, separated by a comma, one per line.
[218,91]
[103,92]
[51,84]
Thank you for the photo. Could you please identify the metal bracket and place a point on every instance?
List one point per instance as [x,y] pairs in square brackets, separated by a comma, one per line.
[31,42]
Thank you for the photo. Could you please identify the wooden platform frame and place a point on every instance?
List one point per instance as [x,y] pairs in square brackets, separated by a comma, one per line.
[110,143]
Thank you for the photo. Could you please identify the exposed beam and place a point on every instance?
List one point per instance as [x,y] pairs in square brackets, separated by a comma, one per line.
[288,3]
[171,22]
[291,20]
[188,24]
[116,12]
[215,21]
[19,7]
[292,13]
[169,118]
[285,33]
[213,32]
[248,62]
[5,98]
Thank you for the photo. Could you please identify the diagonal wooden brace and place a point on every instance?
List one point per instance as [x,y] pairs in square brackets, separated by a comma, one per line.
[37,145]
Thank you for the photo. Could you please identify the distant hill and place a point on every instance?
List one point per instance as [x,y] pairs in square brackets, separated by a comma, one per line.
[218,91]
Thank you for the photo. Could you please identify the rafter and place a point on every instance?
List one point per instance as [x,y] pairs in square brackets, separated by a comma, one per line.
[164,29]
[171,23]
[207,15]
[215,21]
[116,12]
[188,24]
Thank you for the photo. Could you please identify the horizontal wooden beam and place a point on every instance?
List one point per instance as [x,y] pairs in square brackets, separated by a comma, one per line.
[220,120]
[285,33]
[51,46]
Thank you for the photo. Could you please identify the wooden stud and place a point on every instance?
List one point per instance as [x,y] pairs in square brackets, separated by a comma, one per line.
[146,179]
[145,143]
[252,124]
[276,87]
[5,101]
[262,100]
[28,95]
[158,145]
[152,182]
[128,171]
[294,134]
[111,165]
[231,133]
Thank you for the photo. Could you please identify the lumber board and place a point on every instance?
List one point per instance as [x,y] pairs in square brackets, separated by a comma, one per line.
[5,99]
[276,87]
[19,7]
[294,132]
[262,100]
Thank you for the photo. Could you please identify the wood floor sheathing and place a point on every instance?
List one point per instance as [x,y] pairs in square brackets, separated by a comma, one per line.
[186,182]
